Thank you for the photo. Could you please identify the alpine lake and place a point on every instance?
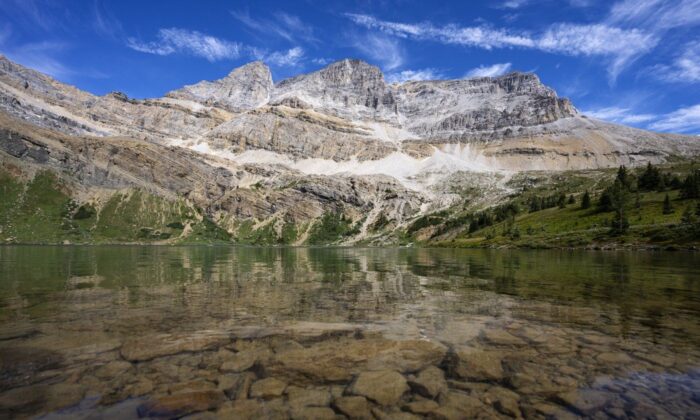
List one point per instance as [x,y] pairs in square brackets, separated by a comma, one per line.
[200,332]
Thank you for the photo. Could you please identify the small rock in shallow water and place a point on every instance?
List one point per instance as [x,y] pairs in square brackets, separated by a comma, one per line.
[181,404]
[239,362]
[242,410]
[386,387]
[504,400]
[429,382]
[267,388]
[585,402]
[502,338]
[191,386]
[422,407]
[147,348]
[355,407]
[340,360]
[393,414]
[457,405]
[313,413]
[479,365]
[308,397]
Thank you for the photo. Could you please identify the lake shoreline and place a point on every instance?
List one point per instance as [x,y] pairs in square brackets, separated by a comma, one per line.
[436,245]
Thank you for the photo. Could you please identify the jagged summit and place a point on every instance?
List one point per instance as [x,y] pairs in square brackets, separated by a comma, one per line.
[244,88]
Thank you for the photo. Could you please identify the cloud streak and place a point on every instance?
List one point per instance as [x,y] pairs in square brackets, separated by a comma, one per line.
[655,15]
[683,120]
[383,49]
[684,69]
[619,115]
[289,58]
[175,40]
[183,41]
[283,25]
[412,75]
[488,71]
[619,46]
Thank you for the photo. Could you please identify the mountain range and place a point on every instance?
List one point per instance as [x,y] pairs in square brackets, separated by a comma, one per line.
[337,150]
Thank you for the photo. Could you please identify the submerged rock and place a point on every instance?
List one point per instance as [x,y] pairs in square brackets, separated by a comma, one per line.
[479,365]
[239,362]
[585,402]
[429,382]
[353,406]
[386,387]
[267,388]
[178,405]
[146,348]
[339,361]
[422,407]
[308,397]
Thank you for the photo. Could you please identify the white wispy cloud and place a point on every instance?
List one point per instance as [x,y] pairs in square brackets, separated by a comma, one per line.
[184,41]
[33,14]
[656,15]
[488,71]
[619,115]
[289,58]
[619,46]
[382,49]
[683,120]
[513,4]
[176,40]
[685,68]
[105,23]
[282,25]
[411,75]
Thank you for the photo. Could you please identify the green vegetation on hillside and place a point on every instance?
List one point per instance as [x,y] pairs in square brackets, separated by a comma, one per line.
[332,227]
[42,211]
[651,206]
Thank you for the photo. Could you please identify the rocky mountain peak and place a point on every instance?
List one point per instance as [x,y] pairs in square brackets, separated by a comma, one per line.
[523,83]
[351,71]
[349,88]
[246,87]
[253,70]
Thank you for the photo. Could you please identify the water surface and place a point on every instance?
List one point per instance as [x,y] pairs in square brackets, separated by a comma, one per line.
[126,331]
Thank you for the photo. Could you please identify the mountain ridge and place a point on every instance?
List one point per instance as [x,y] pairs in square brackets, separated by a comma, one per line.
[265,155]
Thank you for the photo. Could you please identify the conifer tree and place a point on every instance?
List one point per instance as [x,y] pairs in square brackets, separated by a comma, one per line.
[586,200]
[619,198]
[668,208]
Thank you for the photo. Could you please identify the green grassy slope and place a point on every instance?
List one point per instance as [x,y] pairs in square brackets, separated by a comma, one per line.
[568,225]
[42,211]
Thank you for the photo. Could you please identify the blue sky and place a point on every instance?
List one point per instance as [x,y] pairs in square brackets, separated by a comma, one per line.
[633,62]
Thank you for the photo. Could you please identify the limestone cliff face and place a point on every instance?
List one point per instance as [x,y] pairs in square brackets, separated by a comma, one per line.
[460,109]
[337,139]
